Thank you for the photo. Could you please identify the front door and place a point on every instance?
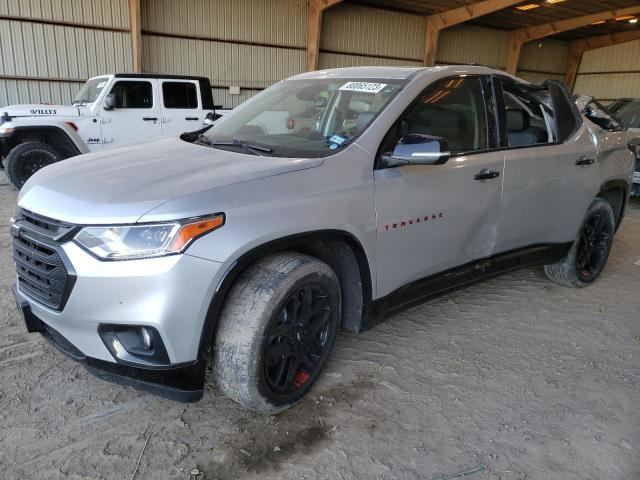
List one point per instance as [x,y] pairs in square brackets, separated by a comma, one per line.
[181,106]
[136,116]
[434,217]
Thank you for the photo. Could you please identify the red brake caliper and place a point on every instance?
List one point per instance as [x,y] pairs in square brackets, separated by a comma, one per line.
[300,379]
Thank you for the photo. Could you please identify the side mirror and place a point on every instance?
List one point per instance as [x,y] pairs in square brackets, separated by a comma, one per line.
[602,122]
[110,101]
[417,149]
[210,118]
[634,146]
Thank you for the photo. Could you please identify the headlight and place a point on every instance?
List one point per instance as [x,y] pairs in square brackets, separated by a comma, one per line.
[127,242]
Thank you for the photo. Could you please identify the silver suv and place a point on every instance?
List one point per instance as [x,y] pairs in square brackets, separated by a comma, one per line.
[332,199]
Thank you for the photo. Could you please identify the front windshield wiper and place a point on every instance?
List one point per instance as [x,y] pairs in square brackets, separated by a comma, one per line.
[255,148]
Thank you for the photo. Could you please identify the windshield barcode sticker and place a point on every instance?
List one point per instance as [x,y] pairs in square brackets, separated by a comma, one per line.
[367,87]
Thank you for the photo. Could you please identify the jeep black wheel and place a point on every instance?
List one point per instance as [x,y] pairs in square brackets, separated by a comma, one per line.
[276,331]
[590,251]
[26,159]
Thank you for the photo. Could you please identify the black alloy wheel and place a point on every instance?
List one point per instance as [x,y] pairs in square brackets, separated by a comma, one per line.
[297,339]
[593,246]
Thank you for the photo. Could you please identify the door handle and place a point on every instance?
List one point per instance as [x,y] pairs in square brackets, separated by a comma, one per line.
[585,161]
[150,119]
[191,118]
[485,174]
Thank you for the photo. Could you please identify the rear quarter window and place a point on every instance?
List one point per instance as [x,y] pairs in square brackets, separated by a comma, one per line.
[179,95]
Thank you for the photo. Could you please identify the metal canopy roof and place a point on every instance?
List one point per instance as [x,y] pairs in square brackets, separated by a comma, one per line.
[511,18]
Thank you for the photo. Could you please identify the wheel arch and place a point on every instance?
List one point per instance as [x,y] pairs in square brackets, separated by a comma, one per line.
[339,249]
[616,192]
[52,135]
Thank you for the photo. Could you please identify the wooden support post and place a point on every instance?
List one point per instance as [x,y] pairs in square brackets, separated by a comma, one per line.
[514,48]
[314,29]
[136,35]
[439,21]
[574,57]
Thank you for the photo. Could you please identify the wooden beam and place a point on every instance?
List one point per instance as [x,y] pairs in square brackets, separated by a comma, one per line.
[517,38]
[591,43]
[577,48]
[315,8]
[439,21]
[136,35]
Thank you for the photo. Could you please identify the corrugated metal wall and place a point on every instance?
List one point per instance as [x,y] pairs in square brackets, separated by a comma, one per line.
[356,35]
[611,72]
[360,35]
[543,60]
[470,44]
[264,42]
[48,47]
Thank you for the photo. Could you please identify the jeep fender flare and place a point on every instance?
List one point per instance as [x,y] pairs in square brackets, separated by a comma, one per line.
[67,140]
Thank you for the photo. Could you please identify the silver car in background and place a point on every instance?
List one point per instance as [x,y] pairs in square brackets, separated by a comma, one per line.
[332,199]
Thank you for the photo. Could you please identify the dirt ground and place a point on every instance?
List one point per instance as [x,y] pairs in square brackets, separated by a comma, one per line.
[519,375]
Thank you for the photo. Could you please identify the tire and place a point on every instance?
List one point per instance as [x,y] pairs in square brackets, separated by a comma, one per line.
[26,159]
[256,343]
[590,250]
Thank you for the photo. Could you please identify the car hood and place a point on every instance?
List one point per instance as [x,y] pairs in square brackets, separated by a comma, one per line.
[40,111]
[121,185]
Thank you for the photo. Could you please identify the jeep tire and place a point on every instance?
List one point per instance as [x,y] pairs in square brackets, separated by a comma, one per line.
[590,250]
[276,330]
[26,159]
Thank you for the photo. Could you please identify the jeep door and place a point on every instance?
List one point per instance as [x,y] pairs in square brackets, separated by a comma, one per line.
[431,218]
[136,115]
[546,191]
[181,106]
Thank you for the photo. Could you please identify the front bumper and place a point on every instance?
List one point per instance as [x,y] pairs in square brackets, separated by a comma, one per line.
[181,383]
[171,294]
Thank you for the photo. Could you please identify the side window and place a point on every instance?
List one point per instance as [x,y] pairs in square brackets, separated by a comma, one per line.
[133,94]
[179,95]
[452,109]
[527,121]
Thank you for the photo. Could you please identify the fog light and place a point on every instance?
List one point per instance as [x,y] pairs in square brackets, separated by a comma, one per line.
[134,344]
[146,338]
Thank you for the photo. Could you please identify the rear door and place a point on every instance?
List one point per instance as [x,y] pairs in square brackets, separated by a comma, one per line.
[434,217]
[545,193]
[136,117]
[181,106]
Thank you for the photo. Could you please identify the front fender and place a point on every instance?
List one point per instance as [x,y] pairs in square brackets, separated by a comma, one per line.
[19,127]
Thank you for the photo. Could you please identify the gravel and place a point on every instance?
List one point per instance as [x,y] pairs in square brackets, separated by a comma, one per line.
[512,378]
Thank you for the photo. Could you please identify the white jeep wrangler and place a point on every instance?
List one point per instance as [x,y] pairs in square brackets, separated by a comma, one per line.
[108,111]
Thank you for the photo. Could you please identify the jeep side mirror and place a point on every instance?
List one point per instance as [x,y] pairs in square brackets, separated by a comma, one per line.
[210,118]
[110,101]
[418,149]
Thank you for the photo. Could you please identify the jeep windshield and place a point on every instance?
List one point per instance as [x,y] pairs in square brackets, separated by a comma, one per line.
[303,118]
[90,91]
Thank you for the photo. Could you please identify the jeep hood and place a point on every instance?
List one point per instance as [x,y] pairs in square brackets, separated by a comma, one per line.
[121,185]
[40,111]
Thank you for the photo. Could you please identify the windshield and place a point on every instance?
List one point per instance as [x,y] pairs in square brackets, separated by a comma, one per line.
[629,115]
[90,91]
[303,118]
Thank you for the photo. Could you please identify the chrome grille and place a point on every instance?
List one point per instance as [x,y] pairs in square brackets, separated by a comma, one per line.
[41,270]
